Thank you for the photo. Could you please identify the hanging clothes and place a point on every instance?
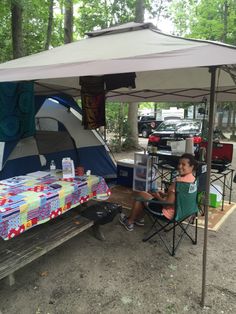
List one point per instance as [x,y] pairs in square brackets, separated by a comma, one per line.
[93,102]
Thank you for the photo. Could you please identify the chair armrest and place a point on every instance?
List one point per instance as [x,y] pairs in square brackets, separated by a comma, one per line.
[164,203]
[142,199]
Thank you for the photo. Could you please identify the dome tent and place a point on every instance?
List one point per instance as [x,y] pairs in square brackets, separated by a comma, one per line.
[59,133]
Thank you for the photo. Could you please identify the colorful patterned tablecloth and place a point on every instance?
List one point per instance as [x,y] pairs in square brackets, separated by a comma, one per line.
[26,201]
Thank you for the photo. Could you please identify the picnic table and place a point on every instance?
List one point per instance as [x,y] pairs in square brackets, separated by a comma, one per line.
[26,202]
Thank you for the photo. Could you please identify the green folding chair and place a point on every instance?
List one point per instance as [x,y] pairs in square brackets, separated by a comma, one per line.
[186,212]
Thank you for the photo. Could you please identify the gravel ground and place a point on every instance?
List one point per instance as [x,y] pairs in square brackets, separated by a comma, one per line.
[125,275]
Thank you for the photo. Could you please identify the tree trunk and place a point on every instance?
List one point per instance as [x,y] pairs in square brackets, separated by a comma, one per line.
[220,116]
[232,137]
[50,21]
[121,126]
[225,19]
[133,121]
[16,29]
[194,111]
[229,119]
[139,11]
[68,22]
[155,110]
[132,138]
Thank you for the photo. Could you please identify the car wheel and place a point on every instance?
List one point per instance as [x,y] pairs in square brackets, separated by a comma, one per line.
[144,133]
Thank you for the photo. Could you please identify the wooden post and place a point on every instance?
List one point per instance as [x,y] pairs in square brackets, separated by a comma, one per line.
[10,280]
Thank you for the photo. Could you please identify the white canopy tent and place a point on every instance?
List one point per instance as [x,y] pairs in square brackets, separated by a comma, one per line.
[167,68]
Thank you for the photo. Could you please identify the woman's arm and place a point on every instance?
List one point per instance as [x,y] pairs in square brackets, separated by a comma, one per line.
[171,193]
[167,197]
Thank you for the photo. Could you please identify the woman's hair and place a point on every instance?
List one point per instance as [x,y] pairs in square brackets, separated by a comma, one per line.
[191,159]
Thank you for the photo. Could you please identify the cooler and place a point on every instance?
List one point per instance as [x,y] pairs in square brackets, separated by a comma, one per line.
[125,170]
[222,155]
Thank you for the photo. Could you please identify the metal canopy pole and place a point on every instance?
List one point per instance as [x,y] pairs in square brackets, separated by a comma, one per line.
[212,70]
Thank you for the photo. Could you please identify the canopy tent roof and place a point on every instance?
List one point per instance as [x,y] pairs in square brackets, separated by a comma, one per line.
[167,68]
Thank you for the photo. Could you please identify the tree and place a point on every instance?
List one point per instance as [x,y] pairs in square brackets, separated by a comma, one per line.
[206,19]
[34,18]
[16,28]
[50,24]
[93,14]
[68,22]
[35,25]
[5,31]
[139,11]
[132,136]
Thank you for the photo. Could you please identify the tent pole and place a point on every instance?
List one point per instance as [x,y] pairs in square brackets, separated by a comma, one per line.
[212,70]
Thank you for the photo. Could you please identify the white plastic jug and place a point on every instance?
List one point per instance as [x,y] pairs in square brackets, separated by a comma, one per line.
[68,168]
[189,148]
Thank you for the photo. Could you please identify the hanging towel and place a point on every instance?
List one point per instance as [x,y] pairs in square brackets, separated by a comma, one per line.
[93,102]
[17,114]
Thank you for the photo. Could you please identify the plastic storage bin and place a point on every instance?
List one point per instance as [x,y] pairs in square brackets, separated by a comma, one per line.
[145,172]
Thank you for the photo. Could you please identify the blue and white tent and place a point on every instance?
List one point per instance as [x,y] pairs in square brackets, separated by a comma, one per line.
[59,133]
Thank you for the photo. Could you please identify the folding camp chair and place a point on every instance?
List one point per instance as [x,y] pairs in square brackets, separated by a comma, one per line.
[186,210]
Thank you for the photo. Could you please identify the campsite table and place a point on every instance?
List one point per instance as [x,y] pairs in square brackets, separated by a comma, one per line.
[26,201]
[225,177]
[168,162]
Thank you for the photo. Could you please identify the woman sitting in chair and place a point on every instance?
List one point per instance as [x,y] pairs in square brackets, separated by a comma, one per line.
[186,167]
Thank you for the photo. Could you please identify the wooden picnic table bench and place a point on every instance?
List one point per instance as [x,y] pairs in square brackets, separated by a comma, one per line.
[21,250]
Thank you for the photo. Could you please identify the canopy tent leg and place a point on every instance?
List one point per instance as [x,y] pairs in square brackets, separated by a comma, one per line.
[212,70]
[98,232]
[10,280]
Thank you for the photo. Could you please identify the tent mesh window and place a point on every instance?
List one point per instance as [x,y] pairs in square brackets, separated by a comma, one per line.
[52,137]
[61,142]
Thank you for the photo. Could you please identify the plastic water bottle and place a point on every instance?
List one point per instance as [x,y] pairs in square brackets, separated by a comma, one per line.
[53,168]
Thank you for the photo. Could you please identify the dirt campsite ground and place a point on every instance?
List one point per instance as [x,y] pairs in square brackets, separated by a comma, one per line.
[125,275]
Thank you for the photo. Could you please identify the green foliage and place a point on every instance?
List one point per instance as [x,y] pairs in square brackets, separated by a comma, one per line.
[206,19]
[116,115]
[88,15]
[35,25]
[5,34]
[164,105]
[117,124]
[93,14]
[35,17]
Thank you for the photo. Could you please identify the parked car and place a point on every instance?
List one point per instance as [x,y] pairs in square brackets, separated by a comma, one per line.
[146,125]
[175,130]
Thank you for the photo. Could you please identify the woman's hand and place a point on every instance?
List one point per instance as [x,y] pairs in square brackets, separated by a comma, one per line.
[153,193]
[160,195]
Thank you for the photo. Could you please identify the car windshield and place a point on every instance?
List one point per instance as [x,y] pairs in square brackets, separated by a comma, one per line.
[180,127]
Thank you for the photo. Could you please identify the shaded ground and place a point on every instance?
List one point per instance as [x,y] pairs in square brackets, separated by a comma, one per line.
[125,275]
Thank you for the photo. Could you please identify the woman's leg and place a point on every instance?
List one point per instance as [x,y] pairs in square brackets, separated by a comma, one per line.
[137,210]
